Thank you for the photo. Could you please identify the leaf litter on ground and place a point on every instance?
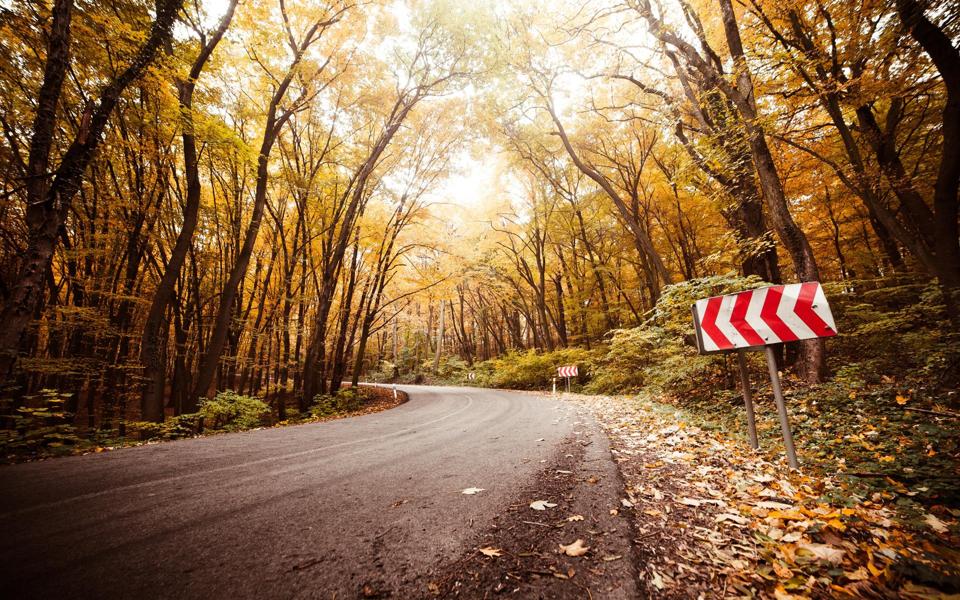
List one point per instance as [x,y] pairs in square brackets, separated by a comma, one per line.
[711,514]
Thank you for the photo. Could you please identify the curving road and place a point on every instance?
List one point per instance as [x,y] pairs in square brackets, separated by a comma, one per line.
[309,511]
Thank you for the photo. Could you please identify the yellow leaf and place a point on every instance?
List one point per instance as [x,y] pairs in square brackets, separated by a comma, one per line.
[886,459]
[837,524]
[901,400]
[788,515]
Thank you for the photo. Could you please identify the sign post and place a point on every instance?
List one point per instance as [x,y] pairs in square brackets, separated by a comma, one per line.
[747,399]
[781,408]
[554,380]
[756,319]
[567,373]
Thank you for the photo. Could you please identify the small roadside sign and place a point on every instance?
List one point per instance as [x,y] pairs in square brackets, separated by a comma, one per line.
[567,372]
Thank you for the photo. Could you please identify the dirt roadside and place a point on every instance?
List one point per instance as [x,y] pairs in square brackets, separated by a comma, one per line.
[520,555]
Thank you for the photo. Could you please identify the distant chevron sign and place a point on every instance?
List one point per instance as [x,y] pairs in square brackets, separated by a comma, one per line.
[755,318]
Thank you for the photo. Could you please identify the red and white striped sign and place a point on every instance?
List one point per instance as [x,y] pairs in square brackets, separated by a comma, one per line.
[567,371]
[781,313]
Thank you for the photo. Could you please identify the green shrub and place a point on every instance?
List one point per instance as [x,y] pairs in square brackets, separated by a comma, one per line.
[344,401]
[660,354]
[533,370]
[42,427]
[230,411]
[893,330]
[174,428]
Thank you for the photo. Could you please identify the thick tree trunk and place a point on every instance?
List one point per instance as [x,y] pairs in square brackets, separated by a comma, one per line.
[791,236]
[945,55]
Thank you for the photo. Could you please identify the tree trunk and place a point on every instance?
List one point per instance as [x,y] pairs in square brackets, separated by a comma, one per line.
[791,236]
[154,335]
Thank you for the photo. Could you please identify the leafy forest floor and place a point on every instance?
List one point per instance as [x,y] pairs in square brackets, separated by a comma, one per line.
[714,518]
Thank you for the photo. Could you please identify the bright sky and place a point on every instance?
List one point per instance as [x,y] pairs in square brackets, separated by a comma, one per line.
[476,174]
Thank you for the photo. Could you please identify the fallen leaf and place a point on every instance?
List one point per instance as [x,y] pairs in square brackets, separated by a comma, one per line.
[612,557]
[690,502]
[541,505]
[771,505]
[491,551]
[732,517]
[901,400]
[822,552]
[837,524]
[657,581]
[782,571]
[935,523]
[573,518]
[858,575]
[575,549]
[626,503]
[787,515]
[472,490]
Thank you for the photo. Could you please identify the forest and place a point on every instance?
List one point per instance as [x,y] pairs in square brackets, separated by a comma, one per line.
[265,201]
[223,215]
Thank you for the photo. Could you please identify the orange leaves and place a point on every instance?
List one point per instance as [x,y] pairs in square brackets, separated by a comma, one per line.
[766,531]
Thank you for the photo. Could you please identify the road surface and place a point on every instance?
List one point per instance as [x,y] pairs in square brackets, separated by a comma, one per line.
[308,511]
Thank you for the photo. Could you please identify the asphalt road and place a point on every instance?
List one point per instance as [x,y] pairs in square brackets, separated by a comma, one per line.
[308,511]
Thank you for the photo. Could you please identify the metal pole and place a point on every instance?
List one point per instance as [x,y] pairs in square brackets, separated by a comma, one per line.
[568,384]
[781,408]
[747,399]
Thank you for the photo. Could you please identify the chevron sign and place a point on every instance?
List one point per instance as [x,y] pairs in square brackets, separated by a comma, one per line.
[755,318]
[567,371]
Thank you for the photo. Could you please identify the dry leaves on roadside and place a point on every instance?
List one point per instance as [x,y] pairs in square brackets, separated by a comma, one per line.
[708,509]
